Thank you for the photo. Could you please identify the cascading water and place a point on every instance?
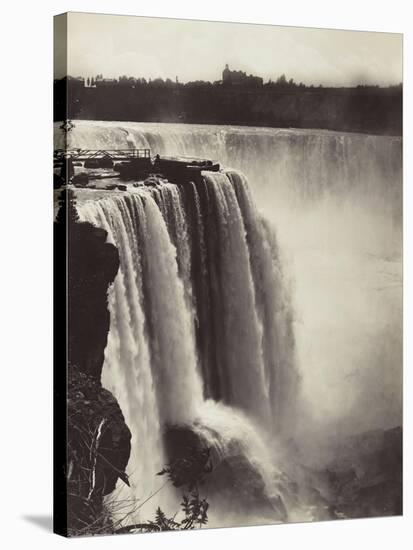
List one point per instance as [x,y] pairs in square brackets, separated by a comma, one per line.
[166,301]
[288,169]
[201,319]
[311,162]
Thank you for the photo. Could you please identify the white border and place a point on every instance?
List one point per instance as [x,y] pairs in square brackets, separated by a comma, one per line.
[26,269]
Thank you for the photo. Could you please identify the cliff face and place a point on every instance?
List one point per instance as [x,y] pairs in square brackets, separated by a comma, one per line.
[98,452]
[369,110]
[98,439]
[92,267]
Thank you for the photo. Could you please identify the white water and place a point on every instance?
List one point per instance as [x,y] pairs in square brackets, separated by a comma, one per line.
[151,361]
[335,200]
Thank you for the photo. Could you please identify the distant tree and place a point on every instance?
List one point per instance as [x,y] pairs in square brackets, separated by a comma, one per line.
[281,80]
[88,81]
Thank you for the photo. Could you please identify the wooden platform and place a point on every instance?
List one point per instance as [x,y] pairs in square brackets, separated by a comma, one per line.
[131,164]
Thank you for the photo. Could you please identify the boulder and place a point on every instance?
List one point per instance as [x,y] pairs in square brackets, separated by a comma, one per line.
[80,180]
[104,162]
[233,477]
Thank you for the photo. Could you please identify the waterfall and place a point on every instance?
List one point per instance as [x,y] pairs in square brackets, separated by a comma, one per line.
[273,304]
[189,340]
[127,371]
[289,170]
[202,331]
[306,163]
[129,139]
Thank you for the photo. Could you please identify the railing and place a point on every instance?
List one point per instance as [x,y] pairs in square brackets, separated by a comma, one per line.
[114,154]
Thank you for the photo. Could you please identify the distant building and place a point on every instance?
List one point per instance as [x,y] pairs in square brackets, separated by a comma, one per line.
[240,78]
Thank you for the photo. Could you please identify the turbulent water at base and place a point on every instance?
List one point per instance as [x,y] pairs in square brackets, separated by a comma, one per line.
[202,325]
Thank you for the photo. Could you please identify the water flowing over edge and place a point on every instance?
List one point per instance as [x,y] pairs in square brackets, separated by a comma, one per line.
[338,193]
[200,329]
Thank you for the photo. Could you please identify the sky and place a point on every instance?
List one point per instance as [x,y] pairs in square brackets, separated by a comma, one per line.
[116,45]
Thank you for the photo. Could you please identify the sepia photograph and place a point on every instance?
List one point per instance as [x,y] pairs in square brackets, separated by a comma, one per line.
[228,266]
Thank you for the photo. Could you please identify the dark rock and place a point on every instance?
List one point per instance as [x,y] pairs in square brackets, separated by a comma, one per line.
[366,474]
[98,446]
[152,181]
[99,163]
[93,264]
[98,440]
[80,180]
[233,477]
[135,168]
[58,181]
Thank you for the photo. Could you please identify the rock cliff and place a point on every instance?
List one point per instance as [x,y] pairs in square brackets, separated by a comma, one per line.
[98,439]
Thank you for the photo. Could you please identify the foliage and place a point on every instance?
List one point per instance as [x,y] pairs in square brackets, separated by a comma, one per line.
[189,470]
[195,512]
[186,471]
